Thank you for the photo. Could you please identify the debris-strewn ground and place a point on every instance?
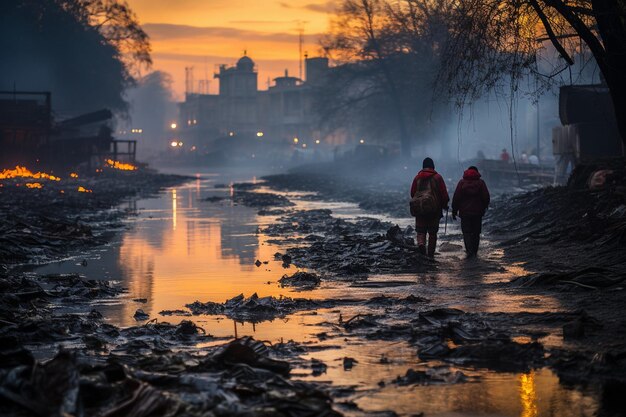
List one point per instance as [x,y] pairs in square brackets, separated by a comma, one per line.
[571,241]
[55,363]
[40,224]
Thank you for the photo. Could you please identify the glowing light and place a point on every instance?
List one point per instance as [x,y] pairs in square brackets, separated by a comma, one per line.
[195,121]
[193,148]
[82,189]
[362,141]
[33,185]
[173,125]
[174,144]
[180,144]
[317,141]
[528,395]
[304,145]
[296,140]
[24,172]
[120,165]
[259,134]
[231,134]
[73,175]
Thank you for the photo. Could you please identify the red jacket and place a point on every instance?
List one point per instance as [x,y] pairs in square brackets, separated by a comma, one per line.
[442,195]
[471,197]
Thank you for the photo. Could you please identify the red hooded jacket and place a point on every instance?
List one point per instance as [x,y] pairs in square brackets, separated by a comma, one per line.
[426,173]
[471,197]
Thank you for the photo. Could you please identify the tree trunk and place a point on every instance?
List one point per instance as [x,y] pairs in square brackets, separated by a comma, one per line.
[612,28]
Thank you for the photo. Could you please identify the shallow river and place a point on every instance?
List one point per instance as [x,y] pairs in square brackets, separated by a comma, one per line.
[176,249]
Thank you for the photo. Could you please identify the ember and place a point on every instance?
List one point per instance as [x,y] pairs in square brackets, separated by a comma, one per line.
[120,165]
[82,189]
[74,175]
[33,185]
[24,172]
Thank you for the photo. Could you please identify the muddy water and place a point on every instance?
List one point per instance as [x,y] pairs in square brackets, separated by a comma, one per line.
[177,249]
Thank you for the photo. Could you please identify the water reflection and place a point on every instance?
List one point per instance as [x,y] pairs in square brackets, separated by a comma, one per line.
[528,395]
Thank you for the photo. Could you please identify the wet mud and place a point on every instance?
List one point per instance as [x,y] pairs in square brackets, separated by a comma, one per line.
[522,310]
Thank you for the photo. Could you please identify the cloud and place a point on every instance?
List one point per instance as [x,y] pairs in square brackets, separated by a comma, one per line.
[164,31]
[327,7]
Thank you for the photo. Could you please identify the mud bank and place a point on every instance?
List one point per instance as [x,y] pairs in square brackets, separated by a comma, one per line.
[59,356]
[570,241]
[46,221]
[460,323]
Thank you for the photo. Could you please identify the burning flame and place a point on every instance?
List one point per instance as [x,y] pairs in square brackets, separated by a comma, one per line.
[33,185]
[120,165]
[73,175]
[24,172]
[82,189]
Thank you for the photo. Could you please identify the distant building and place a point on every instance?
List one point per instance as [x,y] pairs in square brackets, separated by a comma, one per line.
[278,115]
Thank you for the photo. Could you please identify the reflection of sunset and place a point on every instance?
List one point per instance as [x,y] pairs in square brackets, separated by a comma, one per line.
[191,250]
[528,395]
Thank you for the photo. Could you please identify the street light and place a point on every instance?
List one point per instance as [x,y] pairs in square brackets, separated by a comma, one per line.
[174,144]
[362,141]
[296,140]
[173,125]
[304,145]
[231,134]
[317,141]
[259,134]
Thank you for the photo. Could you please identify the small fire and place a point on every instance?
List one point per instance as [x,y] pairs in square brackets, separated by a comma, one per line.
[120,165]
[82,189]
[24,172]
[33,185]
[73,175]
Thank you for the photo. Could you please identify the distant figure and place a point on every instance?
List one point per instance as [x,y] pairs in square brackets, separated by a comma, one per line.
[504,156]
[429,196]
[470,201]
[524,158]
[533,159]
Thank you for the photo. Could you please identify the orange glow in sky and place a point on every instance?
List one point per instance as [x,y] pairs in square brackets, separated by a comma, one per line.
[206,33]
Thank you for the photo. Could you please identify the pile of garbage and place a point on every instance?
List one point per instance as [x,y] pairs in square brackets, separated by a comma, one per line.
[576,233]
[253,308]
[338,246]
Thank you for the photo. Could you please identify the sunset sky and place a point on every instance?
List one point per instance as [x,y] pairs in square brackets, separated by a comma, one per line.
[205,33]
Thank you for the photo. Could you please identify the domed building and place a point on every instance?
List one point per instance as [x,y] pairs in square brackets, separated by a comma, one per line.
[278,115]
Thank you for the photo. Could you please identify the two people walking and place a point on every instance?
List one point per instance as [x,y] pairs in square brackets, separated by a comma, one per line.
[429,197]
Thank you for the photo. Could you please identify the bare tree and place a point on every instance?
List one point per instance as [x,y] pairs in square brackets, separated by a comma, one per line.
[387,58]
[493,39]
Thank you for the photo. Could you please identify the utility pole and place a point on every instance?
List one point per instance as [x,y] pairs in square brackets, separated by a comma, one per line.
[300,29]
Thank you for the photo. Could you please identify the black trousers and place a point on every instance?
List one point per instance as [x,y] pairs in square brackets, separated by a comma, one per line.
[471,226]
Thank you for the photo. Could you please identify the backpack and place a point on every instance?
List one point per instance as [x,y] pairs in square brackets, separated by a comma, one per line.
[425,202]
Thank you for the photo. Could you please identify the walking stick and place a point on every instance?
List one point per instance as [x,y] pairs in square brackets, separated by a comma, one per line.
[445,227]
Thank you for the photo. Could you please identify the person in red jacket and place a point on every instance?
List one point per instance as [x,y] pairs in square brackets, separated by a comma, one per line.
[470,201]
[428,177]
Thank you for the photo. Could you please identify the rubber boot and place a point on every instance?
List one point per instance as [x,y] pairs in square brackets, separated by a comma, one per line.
[432,245]
[467,240]
[421,243]
[476,242]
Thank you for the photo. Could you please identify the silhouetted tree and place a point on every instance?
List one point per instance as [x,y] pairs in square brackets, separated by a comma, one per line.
[496,39]
[83,51]
[385,78]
